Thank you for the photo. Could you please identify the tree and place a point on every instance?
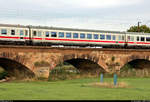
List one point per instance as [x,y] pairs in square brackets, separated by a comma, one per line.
[142,28]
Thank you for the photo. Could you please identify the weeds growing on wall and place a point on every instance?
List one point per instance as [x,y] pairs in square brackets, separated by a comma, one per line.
[3,73]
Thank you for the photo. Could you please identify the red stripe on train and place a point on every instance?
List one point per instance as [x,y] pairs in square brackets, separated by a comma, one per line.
[83,40]
[7,37]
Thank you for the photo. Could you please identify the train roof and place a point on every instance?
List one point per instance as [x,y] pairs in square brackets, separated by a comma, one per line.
[75,29]
[12,25]
[58,28]
[69,29]
[139,33]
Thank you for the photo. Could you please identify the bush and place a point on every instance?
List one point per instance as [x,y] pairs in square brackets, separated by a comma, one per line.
[129,71]
[3,75]
[63,72]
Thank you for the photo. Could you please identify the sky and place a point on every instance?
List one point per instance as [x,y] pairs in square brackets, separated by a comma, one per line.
[112,15]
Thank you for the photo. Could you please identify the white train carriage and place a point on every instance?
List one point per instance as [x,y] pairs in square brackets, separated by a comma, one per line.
[138,39]
[81,37]
[13,33]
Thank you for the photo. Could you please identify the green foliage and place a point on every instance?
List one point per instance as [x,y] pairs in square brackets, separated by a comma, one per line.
[129,71]
[3,75]
[142,28]
[113,58]
[63,72]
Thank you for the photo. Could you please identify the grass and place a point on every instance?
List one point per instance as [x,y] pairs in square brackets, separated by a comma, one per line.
[75,90]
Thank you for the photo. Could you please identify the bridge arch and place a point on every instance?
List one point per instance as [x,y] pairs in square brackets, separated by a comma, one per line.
[134,58]
[136,68]
[15,68]
[83,62]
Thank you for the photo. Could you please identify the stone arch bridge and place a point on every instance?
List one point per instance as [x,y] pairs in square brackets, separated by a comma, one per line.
[41,60]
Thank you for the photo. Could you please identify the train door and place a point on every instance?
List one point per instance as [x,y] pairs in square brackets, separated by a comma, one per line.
[22,33]
[36,36]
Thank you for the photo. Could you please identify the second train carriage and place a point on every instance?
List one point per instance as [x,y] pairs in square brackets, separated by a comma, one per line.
[80,37]
[38,35]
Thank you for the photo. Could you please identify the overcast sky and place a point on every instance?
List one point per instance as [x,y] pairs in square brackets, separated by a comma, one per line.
[116,15]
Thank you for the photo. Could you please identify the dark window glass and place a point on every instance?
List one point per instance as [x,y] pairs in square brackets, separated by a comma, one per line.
[21,32]
[108,37]
[47,34]
[34,33]
[142,38]
[102,37]
[147,38]
[89,36]
[12,32]
[61,34]
[26,32]
[82,35]
[3,31]
[95,36]
[68,35]
[75,35]
[138,38]
[122,37]
[114,37]
[53,34]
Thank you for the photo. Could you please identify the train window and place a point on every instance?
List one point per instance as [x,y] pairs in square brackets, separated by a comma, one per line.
[132,38]
[3,31]
[21,32]
[34,33]
[95,36]
[138,38]
[142,38]
[47,34]
[89,36]
[102,37]
[123,38]
[128,38]
[75,35]
[147,38]
[53,34]
[26,32]
[114,37]
[61,34]
[12,32]
[39,33]
[68,35]
[82,35]
[108,37]
[120,37]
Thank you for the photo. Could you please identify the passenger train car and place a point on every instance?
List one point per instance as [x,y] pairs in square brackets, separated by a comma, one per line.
[47,36]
